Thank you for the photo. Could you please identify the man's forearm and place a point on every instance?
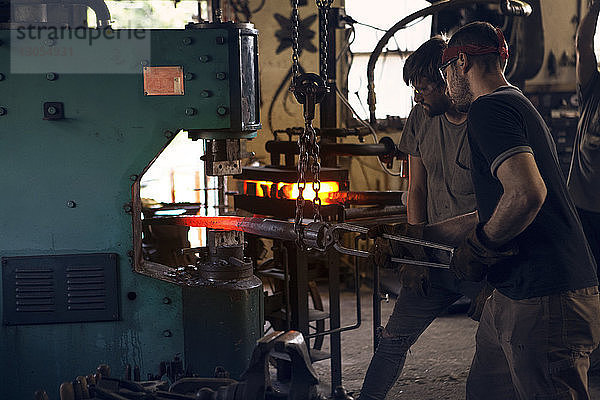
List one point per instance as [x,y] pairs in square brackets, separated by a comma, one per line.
[512,215]
[416,206]
[451,231]
[416,211]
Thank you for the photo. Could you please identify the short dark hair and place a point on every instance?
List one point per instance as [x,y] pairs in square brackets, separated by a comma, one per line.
[425,62]
[480,34]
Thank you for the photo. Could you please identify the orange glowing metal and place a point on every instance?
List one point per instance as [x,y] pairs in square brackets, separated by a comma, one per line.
[290,190]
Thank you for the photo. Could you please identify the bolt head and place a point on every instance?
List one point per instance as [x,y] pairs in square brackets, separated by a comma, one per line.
[133,177]
[51,76]
[205,93]
[144,63]
[222,110]
[187,41]
[51,110]
[166,300]
[167,333]
[221,75]
[204,58]
[190,111]
[168,134]
[71,204]
[188,76]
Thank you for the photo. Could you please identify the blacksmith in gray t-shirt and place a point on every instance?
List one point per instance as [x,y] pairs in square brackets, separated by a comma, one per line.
[443,149]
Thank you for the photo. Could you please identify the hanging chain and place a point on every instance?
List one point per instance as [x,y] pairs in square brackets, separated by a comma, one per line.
[309,90]
[295,51]
[302,156]
[324,6]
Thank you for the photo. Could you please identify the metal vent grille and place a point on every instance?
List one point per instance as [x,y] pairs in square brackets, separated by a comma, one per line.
[86,289]
[55,289]
[34,290]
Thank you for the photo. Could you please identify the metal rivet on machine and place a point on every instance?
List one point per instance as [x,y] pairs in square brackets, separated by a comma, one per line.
[71,204]
[187,41]
[166,300]
[190,111]
[51,110]
[168,134]
[133,177]
[188,76]
[205,93]
[51,76]
[144,63]
[204,58]
[221,110]
[167,333]
[221,75]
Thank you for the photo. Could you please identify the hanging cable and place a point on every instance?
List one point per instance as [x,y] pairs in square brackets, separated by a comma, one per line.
[370,128]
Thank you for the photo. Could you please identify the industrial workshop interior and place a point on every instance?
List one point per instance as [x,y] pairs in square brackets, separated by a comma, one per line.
[229,199]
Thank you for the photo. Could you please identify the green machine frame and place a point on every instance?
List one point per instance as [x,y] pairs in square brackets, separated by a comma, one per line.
[75,291]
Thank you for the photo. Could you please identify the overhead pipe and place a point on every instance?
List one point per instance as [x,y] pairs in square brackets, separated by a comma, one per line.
[509,7]
[339,149]
[98,6]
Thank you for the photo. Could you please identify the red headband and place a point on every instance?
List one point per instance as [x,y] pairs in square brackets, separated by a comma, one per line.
[472,49]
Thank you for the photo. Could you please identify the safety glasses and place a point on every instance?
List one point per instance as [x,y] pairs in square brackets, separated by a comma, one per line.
[446,65]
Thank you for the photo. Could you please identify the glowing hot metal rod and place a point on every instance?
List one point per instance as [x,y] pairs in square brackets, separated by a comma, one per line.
[317,235]
[268,228]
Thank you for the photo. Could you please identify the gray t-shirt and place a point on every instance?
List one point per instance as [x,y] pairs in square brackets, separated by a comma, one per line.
[444,150]
[584,175]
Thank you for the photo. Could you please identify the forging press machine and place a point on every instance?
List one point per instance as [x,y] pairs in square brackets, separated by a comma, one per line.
[83,113]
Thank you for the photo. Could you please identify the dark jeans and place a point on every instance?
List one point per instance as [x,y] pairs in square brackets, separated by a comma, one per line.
[591,227]
[536,348]
[411,316]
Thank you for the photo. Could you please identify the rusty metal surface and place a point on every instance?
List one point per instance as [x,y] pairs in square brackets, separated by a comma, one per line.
[391,197]
[163,81]
[377,212]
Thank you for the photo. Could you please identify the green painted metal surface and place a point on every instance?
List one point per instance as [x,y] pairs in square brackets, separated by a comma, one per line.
[110,132]
[222,313]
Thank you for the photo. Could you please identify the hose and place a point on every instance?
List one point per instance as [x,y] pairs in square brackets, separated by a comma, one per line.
[510,7]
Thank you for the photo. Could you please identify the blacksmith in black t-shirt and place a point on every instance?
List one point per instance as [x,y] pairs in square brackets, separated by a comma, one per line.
[542,321]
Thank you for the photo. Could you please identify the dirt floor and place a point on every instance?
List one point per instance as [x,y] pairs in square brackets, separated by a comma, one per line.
[436,368]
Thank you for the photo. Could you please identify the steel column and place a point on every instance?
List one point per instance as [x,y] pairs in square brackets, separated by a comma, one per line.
[333,264]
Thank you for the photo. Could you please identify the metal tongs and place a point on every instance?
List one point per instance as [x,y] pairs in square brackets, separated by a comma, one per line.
[332,237]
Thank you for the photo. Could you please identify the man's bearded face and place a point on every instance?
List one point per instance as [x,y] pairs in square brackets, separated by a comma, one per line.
[459,89]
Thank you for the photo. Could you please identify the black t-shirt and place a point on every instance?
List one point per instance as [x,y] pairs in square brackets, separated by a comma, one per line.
[553,254]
